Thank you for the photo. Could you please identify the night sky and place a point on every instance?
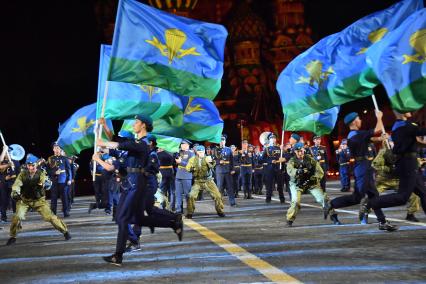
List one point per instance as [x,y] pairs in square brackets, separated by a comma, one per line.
[51,54]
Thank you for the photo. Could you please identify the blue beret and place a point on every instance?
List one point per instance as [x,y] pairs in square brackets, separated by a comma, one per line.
[350,117]
[298,146]
[126,134]
[295,136]
[144,118]
[271,135]
[199,148]
[31,159]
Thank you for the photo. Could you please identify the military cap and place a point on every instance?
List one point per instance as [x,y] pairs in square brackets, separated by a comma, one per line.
[244,141]
[54,144]
[199,148]
[295,136]
[350,117]
[31,159]
[151,138]
[298,146]
[185,141]
[271,135]
[316,137]
[144,118]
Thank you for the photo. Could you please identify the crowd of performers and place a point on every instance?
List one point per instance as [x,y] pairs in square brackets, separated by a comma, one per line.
[143,185]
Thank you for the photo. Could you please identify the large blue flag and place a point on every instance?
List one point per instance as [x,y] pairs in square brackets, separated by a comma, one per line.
[124,100]
[76,134]
[400,63]
[334,71]
[155,48]
[320,123]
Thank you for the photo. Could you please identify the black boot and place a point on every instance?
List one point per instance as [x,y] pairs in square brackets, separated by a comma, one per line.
[412,218]
[114,211]
[91,207]
[327,209]
[115,259]
[178,227]
[289,224]
[386,226]
[11,241]
[67,236]
[335,220]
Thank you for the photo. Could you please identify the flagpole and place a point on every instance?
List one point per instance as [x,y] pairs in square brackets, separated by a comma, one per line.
[282,140]
[98,131]
[241,132]
[376,106]
[12,165]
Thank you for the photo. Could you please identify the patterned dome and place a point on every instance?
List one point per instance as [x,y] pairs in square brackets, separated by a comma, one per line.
[174,5]
[245,25]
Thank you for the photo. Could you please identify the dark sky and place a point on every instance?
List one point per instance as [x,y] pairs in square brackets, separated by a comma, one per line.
[51,54]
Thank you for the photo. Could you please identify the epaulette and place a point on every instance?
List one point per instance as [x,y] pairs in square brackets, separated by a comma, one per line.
[414,124]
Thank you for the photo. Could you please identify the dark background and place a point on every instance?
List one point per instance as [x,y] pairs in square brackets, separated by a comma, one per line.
[50,63]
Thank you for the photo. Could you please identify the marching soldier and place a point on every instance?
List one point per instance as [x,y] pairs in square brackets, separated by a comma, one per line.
[305,175]
[404,136]
[236,178]
[74,169]
[258,171]
[343,156]
[358,141]
[167,185]
[99,186]
[29,191]
[7,178]
[183,177]
[59,171]
[386,178]
[224,169]
[319,153]
[272,156]
[201,167]
[247,165]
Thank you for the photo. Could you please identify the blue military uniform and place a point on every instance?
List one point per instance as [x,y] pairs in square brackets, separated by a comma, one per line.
[319,153]
[343,158]
[236,177]
[59,170]
[224,165]
[404,134]
[358,141]
[7,178]
[273,173]
[167,185]
[100,186]
[183,181]
[247,165]
[258,173]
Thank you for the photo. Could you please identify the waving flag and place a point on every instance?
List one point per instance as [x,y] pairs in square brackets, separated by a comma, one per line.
[126,100]
[76,134]
[334,71]
[155,48]
[320,123]
[400,63]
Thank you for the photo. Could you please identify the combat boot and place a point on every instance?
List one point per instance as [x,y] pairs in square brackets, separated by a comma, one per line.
[133,246]
[11,241]
[289,224]
[335,220]
[91,207]
[412,218]
[221,214]
[67,236]
[115,259]
[326,209]
[188,216]
[386,226]
[178,227]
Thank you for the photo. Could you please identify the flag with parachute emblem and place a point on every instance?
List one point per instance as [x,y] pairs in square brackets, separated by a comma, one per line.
[400,63]
[320,123]
[126,100]
[334,71]
[76,134]
[156,48]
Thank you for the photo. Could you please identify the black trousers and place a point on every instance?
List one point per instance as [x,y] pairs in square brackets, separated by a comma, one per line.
[273,176]
[410,180]
[59,190]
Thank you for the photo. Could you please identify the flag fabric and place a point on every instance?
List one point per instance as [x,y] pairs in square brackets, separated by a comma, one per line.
[77,133]
[334,71]
[320,123]
[400,63]
[170,144]
[198,119]
[126,100]
[155,48]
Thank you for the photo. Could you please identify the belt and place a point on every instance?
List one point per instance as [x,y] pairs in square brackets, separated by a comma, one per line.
[224,162]
[361,158]
[343,164]
[62,171]
[246,165]
[181,167]
[98,175]
[166,167]
[261,168]
[136,170]
[236,166]
[321,161]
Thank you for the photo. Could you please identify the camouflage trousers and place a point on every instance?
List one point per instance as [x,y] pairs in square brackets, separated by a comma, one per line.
[383,184]
[211,188]
[42,207]
[296,196]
